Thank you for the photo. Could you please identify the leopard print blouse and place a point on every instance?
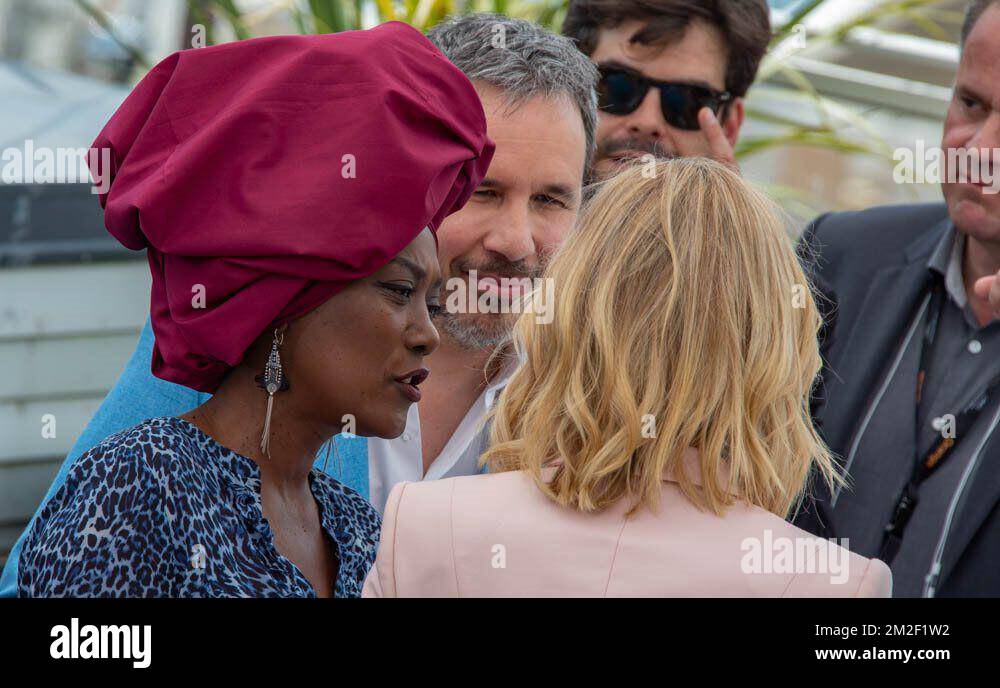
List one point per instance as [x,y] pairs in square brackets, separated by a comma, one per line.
[163,510]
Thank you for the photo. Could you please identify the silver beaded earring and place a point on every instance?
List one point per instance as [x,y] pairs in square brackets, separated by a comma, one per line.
[272,381]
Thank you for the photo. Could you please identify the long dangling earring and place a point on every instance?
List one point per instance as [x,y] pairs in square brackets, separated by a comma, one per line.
[272,381]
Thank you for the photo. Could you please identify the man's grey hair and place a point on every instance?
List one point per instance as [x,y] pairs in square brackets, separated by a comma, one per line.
[521,59]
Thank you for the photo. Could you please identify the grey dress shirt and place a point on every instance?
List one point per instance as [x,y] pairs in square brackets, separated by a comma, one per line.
[965,357]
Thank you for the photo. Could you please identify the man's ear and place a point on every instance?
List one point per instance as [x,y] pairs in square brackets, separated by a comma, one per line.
[735,114]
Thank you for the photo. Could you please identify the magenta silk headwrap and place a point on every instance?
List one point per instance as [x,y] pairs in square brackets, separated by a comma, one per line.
[263,176]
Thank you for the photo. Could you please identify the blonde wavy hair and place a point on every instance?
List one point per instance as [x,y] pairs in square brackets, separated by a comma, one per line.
[678,298]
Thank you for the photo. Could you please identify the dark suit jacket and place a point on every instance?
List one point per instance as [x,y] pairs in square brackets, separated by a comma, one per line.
[870,268]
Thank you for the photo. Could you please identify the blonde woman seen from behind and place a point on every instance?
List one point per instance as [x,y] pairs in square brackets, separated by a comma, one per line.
[657,433]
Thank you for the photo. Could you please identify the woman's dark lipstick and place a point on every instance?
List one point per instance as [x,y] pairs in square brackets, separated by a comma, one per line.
[408,383]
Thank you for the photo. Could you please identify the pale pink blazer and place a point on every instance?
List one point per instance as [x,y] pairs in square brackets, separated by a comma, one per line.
[498,535]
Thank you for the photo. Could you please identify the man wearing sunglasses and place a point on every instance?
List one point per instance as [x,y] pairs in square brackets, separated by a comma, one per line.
[673,74]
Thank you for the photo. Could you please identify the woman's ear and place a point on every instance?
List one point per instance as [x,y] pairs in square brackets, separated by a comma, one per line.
[256,355]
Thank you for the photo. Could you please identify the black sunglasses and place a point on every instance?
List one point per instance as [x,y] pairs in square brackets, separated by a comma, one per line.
[621,91]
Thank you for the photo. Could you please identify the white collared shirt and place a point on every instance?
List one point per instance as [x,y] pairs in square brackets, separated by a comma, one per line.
[394,461]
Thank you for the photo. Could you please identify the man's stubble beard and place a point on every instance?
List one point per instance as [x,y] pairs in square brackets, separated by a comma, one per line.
[484,332]
[476,332]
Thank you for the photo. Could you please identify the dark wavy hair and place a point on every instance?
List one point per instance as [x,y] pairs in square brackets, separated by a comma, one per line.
[745,26]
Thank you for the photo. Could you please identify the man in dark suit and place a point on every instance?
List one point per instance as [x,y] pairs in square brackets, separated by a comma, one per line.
[910,396]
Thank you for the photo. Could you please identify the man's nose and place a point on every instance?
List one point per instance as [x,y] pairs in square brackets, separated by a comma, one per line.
[988,135]
[647,120]
[986,143]
[511,234]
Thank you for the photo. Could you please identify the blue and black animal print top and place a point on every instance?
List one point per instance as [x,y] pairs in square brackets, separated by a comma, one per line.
[163,510]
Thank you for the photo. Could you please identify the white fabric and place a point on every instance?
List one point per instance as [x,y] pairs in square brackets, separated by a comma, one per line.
[401,459]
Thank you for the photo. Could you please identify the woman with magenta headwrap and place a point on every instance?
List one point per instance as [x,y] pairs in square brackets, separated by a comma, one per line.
[287,191]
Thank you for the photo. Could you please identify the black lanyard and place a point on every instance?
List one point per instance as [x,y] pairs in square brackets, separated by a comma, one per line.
[945,446]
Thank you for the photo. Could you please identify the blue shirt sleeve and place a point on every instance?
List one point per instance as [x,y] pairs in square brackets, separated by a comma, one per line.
[136,396]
